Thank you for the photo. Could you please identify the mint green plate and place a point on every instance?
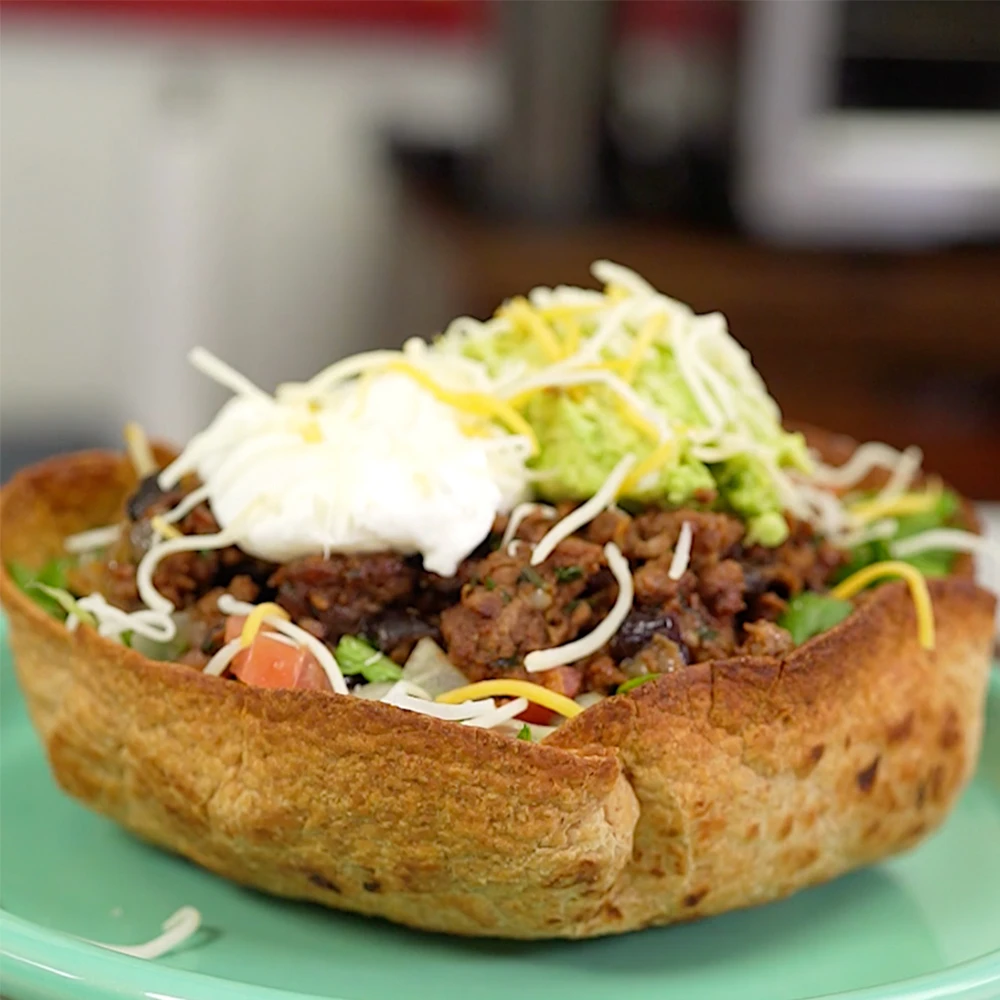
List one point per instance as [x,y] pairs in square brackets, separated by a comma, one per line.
[923,926]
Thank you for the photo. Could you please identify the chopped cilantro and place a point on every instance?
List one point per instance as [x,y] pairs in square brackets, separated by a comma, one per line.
[525,733]
[489,583]
[566,574]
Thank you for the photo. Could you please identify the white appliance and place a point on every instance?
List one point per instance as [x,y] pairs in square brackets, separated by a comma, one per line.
[867,123]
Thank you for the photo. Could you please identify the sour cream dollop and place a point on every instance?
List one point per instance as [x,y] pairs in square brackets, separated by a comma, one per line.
[377,464]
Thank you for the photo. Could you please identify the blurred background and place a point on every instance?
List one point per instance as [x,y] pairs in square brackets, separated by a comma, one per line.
[288,182]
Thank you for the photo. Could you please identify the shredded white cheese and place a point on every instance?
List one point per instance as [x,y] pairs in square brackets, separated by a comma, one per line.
[951,539]
[682,552]
[216,666]
[112,622]
[95,538]
[546,659]
[186,505]
[217,370]
[867,457]
[151,597]
[585,513]
[450,713]
[499,715]
[177,928]
[518,514]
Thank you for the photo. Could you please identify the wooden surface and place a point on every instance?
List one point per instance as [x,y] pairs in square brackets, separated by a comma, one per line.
[903,348]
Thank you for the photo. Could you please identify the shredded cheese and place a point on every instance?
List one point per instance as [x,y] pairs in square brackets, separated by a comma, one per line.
[449,711]
[139,452]
[903,475]
[216,666]
[643,342]
[163,528]
[477,404]
[546,659]
[639,413]
[95,538]
[508,687]
[682,552]
[518,311]
[914,580]
[909,503]
[217,370]
[150,596]
[951,539]
[185,506]
[653,462]
[868,456]
[585,513]
[499,715]
[609,273]
[177,928]
[312,433]
[112,622]
[256,618]
[518,514]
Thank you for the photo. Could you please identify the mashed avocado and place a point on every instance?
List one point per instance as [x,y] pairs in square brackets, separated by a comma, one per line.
[696,459]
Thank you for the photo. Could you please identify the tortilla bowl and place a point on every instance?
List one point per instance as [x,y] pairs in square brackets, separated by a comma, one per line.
[726,785]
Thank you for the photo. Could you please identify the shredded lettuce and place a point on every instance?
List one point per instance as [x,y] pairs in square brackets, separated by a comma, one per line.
[634,682]
[355,656]
[525,733]
[810,613]
[32,582]
[66,601]
[938,562]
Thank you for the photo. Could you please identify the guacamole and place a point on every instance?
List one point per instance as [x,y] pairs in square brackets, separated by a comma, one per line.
[702,429]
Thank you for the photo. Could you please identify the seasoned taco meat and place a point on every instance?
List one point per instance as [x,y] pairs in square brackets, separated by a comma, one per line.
[498,607]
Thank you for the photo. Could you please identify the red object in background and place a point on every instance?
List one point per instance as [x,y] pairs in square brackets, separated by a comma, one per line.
[674,18]
[435,16]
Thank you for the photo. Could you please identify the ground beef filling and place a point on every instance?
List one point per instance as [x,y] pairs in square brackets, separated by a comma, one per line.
[498,607]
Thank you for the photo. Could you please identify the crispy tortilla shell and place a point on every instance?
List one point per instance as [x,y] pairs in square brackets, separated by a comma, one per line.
[728,784]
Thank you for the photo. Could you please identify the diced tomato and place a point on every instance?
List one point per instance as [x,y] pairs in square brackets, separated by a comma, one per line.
[563,680]
[537,714]
[271,663]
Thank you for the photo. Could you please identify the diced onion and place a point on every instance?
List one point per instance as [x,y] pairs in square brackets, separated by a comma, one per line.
[429,667]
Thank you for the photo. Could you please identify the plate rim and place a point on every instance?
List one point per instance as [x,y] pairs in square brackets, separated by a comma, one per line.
[47,960]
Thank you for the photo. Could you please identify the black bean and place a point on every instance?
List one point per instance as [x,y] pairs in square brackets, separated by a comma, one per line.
[146,494]
[393,627]
[640,627]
